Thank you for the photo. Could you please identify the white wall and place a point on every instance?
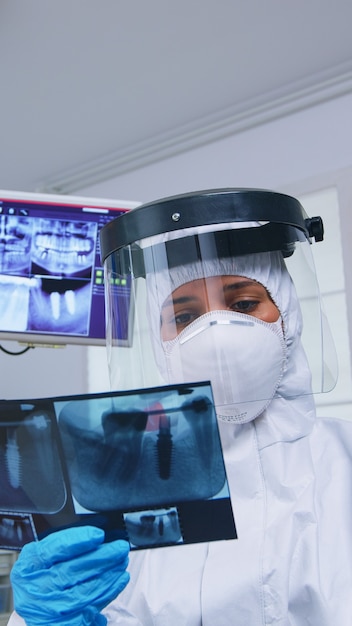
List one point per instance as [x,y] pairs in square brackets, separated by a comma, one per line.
[305,144]
[310,143]
[42,372]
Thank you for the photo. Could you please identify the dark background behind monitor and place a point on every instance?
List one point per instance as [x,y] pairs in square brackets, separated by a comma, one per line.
[51,278]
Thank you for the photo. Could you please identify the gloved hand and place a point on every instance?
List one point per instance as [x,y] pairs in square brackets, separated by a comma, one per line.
[68,577]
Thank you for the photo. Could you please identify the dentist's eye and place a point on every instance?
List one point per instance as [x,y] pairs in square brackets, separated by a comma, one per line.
[244,306]
[173,323]
[183,319]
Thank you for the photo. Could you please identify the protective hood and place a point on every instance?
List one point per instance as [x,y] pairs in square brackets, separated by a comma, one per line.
[290,413]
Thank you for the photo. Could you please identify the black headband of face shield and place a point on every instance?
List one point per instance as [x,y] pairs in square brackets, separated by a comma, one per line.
[206,246]
[217,206]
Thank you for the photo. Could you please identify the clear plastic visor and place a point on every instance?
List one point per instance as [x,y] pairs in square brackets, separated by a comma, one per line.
[201,307]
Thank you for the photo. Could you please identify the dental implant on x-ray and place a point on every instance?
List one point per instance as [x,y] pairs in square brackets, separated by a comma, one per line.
[32,479]
[12,457]
[164,447]
[37,425]
[55,303]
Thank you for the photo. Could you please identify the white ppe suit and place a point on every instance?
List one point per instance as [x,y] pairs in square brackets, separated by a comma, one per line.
[290,478]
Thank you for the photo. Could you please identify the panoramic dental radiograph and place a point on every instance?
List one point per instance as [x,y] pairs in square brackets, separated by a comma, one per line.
[45,271]
[63,257]
[63,248]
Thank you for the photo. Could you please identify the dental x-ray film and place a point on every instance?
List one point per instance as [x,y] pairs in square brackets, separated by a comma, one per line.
[145,465]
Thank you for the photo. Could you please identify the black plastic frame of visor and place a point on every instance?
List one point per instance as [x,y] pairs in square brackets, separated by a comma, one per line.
[206,246]
[204,208]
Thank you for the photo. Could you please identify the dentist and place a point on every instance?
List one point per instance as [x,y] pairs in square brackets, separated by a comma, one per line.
[223,289]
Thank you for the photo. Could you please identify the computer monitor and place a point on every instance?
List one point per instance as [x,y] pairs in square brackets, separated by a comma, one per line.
[51,277]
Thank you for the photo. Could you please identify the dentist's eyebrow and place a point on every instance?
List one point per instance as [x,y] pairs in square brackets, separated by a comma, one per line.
[239,285]
[180,300]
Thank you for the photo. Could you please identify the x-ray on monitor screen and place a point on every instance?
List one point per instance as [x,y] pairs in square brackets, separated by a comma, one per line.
[51,278]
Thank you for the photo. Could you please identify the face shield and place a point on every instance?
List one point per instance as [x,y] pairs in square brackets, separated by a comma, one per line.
[217,286]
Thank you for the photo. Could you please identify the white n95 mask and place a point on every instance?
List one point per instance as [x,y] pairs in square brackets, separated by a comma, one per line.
[242,356]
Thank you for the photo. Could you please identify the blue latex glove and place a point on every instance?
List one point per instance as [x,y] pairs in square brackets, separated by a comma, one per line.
[69,577]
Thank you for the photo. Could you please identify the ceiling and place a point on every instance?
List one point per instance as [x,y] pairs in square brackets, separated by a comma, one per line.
[91,89]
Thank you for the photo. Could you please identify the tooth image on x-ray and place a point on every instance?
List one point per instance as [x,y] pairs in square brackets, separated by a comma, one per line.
[60,306]
[122,453]
[15,530]
[14,302]
[153,528]
[63,248]
[15,261]
[30,466]
[15,244]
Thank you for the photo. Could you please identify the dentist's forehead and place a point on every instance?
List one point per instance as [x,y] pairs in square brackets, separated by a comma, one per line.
[224,283]
[263,268]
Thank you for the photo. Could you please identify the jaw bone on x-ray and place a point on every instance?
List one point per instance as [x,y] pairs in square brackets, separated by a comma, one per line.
[147,452]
